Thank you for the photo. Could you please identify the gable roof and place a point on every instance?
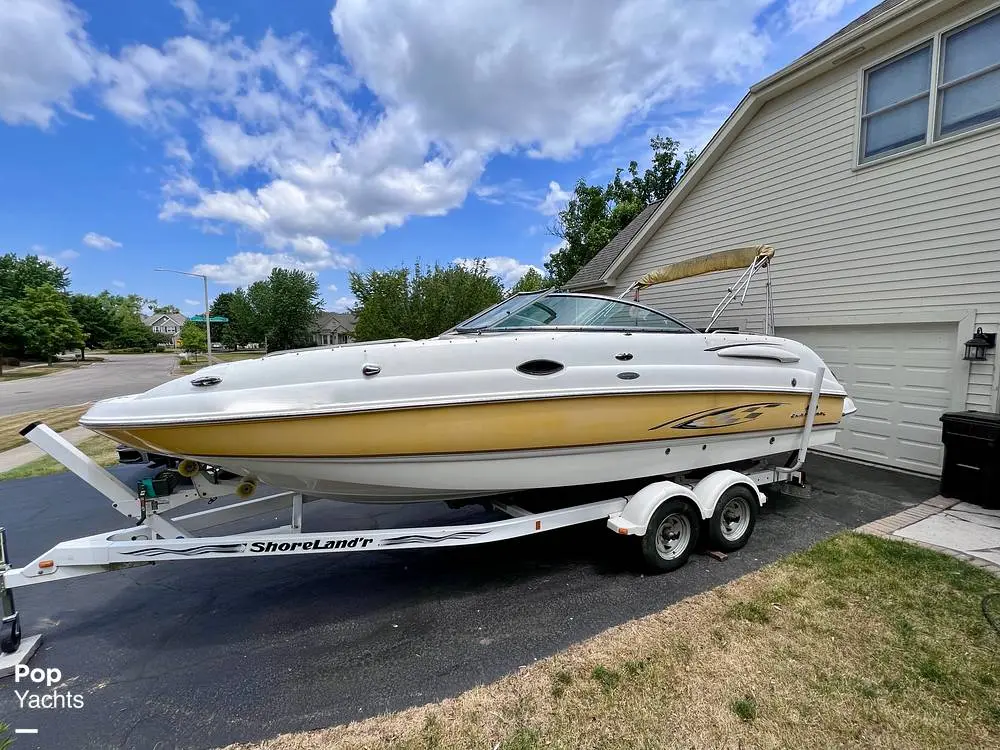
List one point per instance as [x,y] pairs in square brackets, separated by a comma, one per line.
[178,318]
[333,321]
[882,22]
[592,272]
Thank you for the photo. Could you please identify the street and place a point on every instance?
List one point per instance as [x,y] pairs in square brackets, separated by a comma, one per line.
[118,375]
[201,654]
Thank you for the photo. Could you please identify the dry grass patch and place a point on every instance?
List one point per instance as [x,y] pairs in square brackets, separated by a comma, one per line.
[99,448]
[858,642]
[59,419]
[20,373]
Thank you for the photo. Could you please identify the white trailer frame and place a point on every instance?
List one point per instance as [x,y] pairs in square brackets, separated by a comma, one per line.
[155,538]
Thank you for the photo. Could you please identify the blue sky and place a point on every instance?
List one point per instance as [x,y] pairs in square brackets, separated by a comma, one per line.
[230,137]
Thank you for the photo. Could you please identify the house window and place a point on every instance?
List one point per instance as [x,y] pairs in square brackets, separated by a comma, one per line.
[156,329]
[897,97]
[951,82]
[969,83]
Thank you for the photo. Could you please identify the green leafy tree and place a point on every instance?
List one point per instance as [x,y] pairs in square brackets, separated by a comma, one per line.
[422,304]
[11,329]
[595,214]
[532,281]
[128,329]
[163,309]
[193,338]
[96,320]
[292,302]
[50,327]
[18,275]
[223,332]
[243,327]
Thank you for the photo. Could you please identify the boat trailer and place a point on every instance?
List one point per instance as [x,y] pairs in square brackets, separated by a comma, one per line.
[666,518]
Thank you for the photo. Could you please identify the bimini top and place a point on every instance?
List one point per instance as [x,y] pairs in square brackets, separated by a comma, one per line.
[548,310]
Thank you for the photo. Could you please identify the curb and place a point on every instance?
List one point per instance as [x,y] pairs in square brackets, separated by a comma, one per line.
[884,527]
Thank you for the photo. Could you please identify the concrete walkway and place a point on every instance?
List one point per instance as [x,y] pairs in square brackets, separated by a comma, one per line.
[23,454]
[963,530]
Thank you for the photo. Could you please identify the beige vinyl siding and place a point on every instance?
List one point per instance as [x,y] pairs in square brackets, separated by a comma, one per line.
[914,235]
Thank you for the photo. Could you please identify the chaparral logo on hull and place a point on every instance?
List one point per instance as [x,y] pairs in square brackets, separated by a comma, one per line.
[715,418]
[358,542]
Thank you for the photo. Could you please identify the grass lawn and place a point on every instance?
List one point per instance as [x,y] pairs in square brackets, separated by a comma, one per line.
[59,419]
[857,642]
[20,373]
[99,448]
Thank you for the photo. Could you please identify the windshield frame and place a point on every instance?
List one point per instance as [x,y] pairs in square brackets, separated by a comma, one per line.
[532,297]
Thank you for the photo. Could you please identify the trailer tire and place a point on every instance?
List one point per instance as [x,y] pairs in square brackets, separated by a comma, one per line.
[671,536]
[10,634]
[735,516]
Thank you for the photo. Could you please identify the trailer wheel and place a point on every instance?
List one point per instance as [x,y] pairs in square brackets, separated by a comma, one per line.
[734,519]
[670,537]
[10,634]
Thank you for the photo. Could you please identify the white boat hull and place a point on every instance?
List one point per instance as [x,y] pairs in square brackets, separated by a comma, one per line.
[454,477]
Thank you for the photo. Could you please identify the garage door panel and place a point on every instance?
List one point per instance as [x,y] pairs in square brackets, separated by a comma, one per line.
[901,378]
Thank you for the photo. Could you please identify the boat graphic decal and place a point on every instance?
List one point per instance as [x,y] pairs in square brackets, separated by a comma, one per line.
[724,417]
[203,549]
[424,538]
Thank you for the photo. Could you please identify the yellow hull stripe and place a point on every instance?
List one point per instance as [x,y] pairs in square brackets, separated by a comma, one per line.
[485,427]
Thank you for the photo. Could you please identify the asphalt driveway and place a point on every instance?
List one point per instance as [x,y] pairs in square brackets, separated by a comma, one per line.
[118,375]
[200,654]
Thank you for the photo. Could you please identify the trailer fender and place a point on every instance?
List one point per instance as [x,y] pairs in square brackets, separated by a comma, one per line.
[634,517]
[710,489]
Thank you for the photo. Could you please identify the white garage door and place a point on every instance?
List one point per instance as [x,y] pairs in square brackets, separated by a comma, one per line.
[901,378]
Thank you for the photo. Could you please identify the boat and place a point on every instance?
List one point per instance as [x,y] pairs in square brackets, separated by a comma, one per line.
[545,389]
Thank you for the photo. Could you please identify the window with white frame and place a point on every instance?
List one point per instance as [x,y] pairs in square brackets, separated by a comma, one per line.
[969,82]
[942,87]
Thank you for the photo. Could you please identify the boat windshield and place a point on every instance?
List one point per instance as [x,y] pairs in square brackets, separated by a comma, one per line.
[572,311]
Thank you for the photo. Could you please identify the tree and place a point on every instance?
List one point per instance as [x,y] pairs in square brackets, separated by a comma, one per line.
[11,329]
[223,332]
[293,303]
[193,337]
[396,303]
[164,309]
[49,326]
[532,281]
[128,329]
[594,215]
[18,275]
[95,319]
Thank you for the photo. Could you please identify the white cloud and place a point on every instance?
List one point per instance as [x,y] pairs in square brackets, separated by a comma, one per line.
[510,270]
[553,250]
[99,241]
[194,302]
[343,304]
[806,12]
[68,255]
[331,288]
[247,267]
[501,74]
[555,200]
[119,284]
[36,249]
[45,55]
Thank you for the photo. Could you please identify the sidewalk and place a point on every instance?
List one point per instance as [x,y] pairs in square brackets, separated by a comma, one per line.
[968,532]
[23,454]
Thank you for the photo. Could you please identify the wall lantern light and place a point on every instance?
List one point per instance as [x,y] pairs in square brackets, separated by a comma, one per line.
[975,348]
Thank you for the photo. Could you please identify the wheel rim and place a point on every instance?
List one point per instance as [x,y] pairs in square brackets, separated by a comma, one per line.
[735,519]
[673,536]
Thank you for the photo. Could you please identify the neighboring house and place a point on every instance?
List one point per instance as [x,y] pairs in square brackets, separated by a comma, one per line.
[334,328]
[167,323]
[872,166]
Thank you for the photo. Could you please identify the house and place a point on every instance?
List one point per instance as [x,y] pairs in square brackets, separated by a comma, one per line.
[872,165]
[167,323]
[334,328]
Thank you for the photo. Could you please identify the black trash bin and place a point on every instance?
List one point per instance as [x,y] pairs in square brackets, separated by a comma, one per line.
[971,457]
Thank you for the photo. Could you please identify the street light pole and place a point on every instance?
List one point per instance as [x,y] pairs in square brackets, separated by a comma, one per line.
[208,322]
